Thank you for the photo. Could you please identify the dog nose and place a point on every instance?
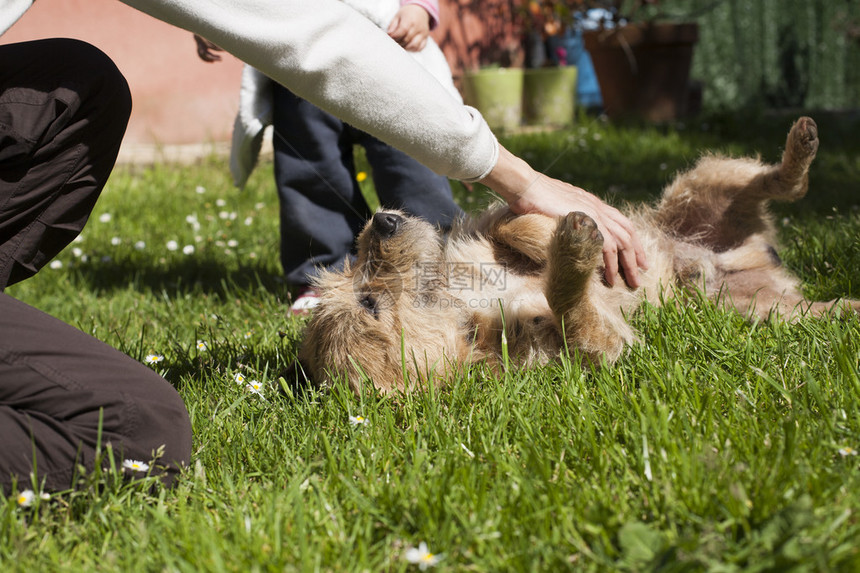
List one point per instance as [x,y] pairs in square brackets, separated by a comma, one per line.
[386,224]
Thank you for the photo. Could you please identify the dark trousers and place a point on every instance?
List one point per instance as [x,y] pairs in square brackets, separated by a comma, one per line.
[64,107]
[322,208]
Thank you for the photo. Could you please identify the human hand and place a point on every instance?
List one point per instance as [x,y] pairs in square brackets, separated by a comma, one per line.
[206,49]
[528,191]
[410,27]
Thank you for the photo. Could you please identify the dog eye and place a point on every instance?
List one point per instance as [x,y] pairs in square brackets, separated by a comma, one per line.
[369,303]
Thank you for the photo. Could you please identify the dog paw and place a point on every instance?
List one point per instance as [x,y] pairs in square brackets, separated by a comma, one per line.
[803,139]
[580,240]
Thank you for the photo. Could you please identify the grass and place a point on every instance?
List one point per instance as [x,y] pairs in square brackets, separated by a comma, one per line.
[714,445]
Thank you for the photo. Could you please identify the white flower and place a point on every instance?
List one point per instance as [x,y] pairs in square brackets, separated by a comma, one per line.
[220,202]
[233,243]
[135,465]
[55,264]
[140,245]
[249,221]
[357,420]
[846,451]
[248,334]
[115,241]
[153,358]
[200,189]
[188,249]
[25,498]
[201,346]
[172,245]
[104,217]
[77,251]
[239,378]
[422,556]
[255,387]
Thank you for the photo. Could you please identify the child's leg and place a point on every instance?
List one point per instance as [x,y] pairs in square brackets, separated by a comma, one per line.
[403,183]
[322,209]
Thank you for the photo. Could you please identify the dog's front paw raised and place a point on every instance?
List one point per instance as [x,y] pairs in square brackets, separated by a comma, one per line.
[579,242]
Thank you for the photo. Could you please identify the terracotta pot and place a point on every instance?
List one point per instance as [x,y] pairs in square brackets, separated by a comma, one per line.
[644,69]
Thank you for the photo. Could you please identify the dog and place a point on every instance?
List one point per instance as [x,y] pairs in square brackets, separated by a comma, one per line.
[417,306]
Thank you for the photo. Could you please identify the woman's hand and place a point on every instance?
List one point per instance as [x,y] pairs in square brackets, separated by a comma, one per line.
[528,191]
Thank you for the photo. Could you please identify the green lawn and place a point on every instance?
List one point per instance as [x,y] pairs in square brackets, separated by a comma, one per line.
[714,445]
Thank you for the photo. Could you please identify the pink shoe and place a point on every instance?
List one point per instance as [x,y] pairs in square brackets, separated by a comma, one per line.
[307,299]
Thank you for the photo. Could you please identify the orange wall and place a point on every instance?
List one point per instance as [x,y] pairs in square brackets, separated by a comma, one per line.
[177,97]
[180,99]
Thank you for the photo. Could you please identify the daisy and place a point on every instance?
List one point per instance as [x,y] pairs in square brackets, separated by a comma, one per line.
[104,217]
[846,451]
[115,241]
[172,245]
[201,346]
[56,264]
[200,189]
[255,387]
[357,420]
[135,465]
[140,245]
[232,243]
[153,358]
[422,556]
[220,202]
[248,334]
[25,498]
[188,249]
[77,251]
[239,378]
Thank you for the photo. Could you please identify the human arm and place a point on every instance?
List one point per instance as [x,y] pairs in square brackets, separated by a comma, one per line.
[326,53]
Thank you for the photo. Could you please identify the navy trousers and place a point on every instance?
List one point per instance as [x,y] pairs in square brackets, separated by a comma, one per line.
[64,108]
[322,208]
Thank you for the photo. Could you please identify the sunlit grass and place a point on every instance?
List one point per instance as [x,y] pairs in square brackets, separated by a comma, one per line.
[714,444]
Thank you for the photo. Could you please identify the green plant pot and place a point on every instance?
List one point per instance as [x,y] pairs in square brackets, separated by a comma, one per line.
[549,95]
[498,94]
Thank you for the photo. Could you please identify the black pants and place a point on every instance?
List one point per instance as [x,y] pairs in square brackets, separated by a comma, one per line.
[322,208]
[64,107]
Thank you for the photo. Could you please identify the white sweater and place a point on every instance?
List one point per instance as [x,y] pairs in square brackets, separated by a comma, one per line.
[330,55]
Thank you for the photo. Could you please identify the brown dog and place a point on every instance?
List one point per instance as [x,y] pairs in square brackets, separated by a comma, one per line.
[418,306]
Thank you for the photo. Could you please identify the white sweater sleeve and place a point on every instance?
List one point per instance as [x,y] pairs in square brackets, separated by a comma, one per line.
[328,54]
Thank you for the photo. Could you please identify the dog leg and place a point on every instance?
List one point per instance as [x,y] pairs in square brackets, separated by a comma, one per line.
[527,234]
[722,201]
[574,255]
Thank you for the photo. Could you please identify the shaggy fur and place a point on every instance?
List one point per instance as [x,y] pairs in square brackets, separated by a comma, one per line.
[418,306]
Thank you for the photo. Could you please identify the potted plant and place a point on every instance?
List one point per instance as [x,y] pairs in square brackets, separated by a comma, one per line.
[493,80]
[642,60]
[549,83]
